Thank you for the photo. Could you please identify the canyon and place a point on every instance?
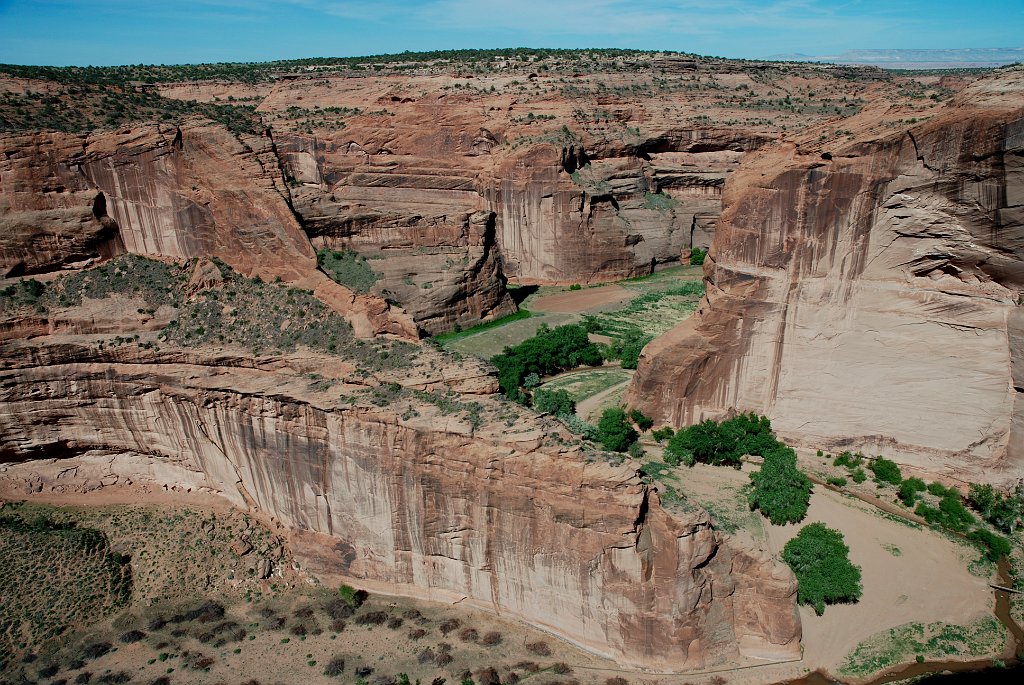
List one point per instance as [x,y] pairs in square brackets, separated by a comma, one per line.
[864,290]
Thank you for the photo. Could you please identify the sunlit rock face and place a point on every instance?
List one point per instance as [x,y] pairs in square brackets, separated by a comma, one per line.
[869,297]
[425,506]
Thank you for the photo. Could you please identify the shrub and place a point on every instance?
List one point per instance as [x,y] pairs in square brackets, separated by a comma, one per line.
[858,476]
[839,482]
[819,558]
[556,402]
[642,421]
[335,667]
[780,490]
[663,433]
[132,636]
[614,431]
[937,489]
[628,348]
[950,514]
[996,546]
[722,443]
[910,490]
[490,639]
[448,625]
[354,598]
[469,635]
[697,256]
[1002,511]
[539,648]
[372,618]
[850,461]
[575,286]
[886,471]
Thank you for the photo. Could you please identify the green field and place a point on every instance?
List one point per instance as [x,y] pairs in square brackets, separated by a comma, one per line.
[583,384]
[662,300]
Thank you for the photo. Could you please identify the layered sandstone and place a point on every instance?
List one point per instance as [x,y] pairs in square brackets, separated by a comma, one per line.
[869,296]
[197,191]
[425,504]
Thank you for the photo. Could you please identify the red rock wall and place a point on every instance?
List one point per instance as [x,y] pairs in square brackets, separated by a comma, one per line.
[580,548]
[868,299]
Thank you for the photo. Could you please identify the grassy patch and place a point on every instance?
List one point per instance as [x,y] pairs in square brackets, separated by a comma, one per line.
[651,313]
[903,644]
[583,384]
[485,326]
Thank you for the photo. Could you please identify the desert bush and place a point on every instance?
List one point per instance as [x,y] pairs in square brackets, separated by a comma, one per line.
[115,678]
[448,625]
[849,460]
[540,648]
[488,676]
[372,618]
[951,514]
[819,558]
[394,623]
[417,633]
[556,402]
[839,482]
[886,471]
[338,608]
[1004,511]
[469,635]
[95,650]
[131,636]
[561,668]
[83,678]
[337,625]
[491,639]
[910,490]
[335,667]
[616,681]
[858,475]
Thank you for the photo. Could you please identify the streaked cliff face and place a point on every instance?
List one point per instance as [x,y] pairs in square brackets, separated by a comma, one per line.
[424,505]
[869,298]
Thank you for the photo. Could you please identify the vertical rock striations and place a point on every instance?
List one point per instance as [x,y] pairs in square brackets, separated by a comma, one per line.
[869,297]
[581,548]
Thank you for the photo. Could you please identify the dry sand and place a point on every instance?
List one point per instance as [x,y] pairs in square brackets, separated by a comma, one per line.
[909,575]
[586,300]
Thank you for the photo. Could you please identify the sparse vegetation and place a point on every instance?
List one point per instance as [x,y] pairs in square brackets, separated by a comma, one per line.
[347,268]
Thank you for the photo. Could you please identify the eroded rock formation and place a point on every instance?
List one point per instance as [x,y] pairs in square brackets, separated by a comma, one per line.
[869,296]
[197,191]
[426,505]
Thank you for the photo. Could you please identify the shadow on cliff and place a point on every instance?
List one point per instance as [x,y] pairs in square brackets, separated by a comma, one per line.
[520,294]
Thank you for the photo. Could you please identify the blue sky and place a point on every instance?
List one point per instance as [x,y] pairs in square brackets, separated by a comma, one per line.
[102,32]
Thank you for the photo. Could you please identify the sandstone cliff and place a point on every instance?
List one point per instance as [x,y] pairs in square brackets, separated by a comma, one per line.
[426,504]
[869,296]
[178,192]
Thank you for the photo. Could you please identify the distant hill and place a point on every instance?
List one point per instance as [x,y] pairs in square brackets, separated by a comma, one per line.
[917,59]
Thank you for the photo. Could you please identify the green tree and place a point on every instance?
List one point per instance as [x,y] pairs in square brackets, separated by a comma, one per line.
[779,489]
[614,431]
[886,471]
[820,560]
[910,490]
